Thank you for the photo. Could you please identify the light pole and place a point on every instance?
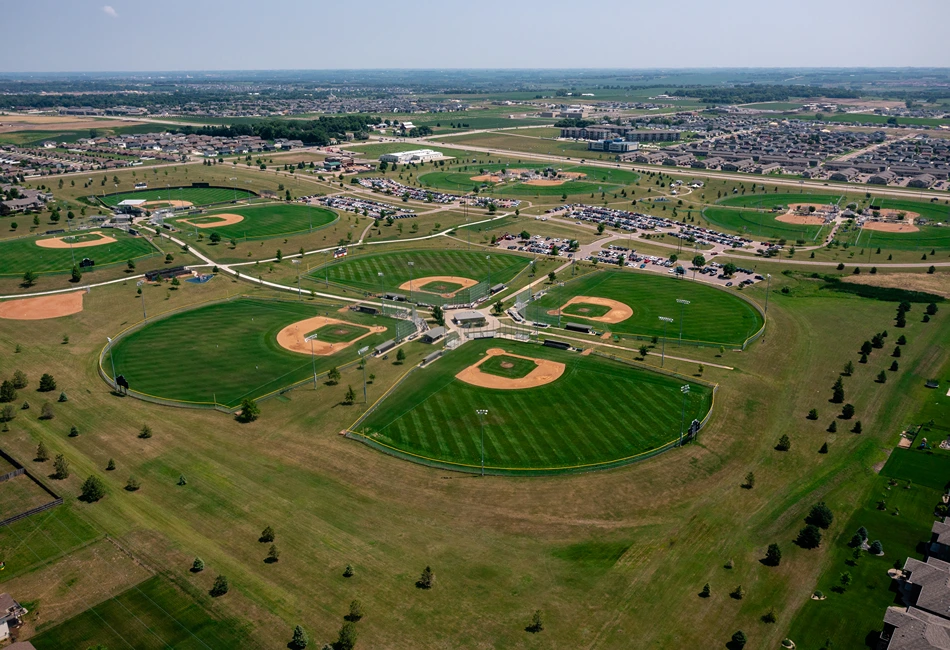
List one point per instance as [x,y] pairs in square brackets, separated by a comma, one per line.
[112,360]
[768,290]
[685,390]
[683,304]
[666,322]
[313,361]
[380,274]
[297,262]
[411,264]
[144,315]
[481,420]
[488,257]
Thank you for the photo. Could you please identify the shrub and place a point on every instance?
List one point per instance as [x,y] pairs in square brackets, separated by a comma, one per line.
[92,489]
[145,431]
[220,587]
[820,515]
[809,537]
[132,484]
[47,383]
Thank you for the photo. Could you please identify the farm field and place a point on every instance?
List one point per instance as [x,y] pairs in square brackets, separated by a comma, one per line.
[432,414]
[221,353]
[196,196]
[17,256]
[713,317]
[259,222]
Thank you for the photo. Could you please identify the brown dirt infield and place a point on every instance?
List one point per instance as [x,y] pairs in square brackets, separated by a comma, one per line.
[544,183]
[168,202]
[545,372]
[801,219]
[487,178]
[225,219]
[292,337]
[891,226]
[42,307]
[454,279]
[59,242]
[619,312]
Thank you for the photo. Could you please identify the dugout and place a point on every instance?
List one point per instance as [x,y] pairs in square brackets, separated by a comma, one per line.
[384,347]
[560,345]
[577,327]
[395,297]
[497,288]
[161,274]
[366,309]
[433,335]
[470,318]
[432,357]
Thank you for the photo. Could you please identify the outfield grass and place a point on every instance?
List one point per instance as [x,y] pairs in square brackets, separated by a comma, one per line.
[713,317]
[764,225]
[153,614]
[17,256]
[224,352]
[265,221]
[519,367]
[432,414]
[585,309]
[765,201]
[597,179]
[196,195]
[362,272]
[336,333]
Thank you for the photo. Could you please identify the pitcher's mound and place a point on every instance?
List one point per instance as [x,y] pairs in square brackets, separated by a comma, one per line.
[545,372]
[42,307]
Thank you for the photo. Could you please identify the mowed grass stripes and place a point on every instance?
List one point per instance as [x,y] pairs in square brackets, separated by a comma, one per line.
[598,412]
[224,352]
[713,316]
[17,256]
[265,221]
[195,195]
[363,272]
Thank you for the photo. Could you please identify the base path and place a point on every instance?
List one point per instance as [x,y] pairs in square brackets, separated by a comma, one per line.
[60,242]
[292,337]
[226,219]
[42,307]
[619,312]
[545,372]
[418,284]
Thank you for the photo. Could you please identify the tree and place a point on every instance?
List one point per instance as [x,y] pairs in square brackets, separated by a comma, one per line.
[347,637]
[813,414]
[273,555]
[857,427]
[849,368]
[19,379]
[837,393]
[769,616]
[601,228]
[894,366]
[427,579]
[46,411]
[847,412]
[438,316]
[902,340]
[729,269]
[76,274]
[537,624]
[552,277]
[132,484]
[30,278]
[145,432]
[932,309]
[92,489]
[699,261]
[784,443]
[220,587]
[60,467]
[110,466]
[42,453]
[62,397]
[773,556]
[643,351]
[356,611]
[214,238]
[876,548]
[866,347]
[333,376]
[250,411]
[881,377]
[809,537]
[7,391]
[833,427]
[348,571]
[300,639]
[845,580]
[182,480]
[130,264]
[350,396]
[820,515]
[47,383]
[739,640]
[705,593]
[267,536]
[824,448]
[738,593]
[749,481]
[198,565]
[73,431]
[400,356]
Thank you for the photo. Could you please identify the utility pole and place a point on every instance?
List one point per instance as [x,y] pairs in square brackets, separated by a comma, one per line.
[768,290]
[481,420]
[411,264]
[297,263]
[488,257]
[685,390]
[666,322]
[313,361]
[683,304]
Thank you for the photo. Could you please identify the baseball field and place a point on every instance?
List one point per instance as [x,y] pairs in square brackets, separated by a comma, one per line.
[224,352]
[50,254]
[765,225]
[258,222]
[190,195]
[432,414]
[713,316]
[572,179]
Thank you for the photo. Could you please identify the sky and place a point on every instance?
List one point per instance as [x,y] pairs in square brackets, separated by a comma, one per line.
[135,35]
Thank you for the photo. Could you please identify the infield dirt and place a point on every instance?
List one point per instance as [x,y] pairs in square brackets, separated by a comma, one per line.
[417,285]
[618,313]
[42,307]
[292,337]
[545,372]
[60,242]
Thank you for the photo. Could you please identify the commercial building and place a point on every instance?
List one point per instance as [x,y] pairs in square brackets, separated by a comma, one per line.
[415,156]
[614,131]
[617,145]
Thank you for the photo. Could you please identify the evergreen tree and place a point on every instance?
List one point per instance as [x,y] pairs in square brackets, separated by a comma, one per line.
[427,579]
[181,480]
[267,536]
[537,624]
[73,431]
[847,412]
[300,639]
[784,443]
[42,453]
[773,556]
[60,467]
[706,592]
[356,611]
[347,637]
[198,565]
[92,489]
[220,587]
[739,640]
[111,465]
[145,431]
[273,555]
[820,515]
[809,536]
[876,548]
[824,448]
[250,411]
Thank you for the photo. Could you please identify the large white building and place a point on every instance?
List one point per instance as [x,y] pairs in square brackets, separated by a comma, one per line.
[416,156]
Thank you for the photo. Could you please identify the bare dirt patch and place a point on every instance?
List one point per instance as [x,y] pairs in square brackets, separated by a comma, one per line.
[890,226]
[619,312]
[487,178]
[42,307]
[11,123]
[60,242]
[226,219]
[801,219]
[292,337]
[416,285]
[936,283]
[539,182]
[174,203]
[545,372]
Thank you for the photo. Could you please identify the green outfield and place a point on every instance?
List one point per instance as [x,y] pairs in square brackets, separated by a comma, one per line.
[606,413]
[507,366]
[594,179]
[261,221]
[336,333]
[713,317]
[17,256]
[194,195]
[765,201]
[928,236]
[752,223]
[224,352]
[363,272]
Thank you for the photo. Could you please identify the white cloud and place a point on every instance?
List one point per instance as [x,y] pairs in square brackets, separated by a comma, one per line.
[109,11]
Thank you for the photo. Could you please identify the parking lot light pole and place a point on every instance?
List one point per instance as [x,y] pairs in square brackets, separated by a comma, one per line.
[683,304]
[481,420]
[685,390]
[666,323]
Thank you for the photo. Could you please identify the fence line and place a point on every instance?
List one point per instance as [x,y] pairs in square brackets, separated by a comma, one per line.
[21,470]
[13,474]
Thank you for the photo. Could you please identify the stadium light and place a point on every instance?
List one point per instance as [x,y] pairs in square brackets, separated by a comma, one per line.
[768,290]
[411,264]
[313,362]
[481,420]
[685,390]
[488,257]
[666,323]
[683,304]
[297,262]
[380,274]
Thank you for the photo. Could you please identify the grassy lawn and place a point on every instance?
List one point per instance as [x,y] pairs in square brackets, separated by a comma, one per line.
[595,180]
[264,221]
[40,539]
[586,309]
[508,366]
[713,317]
[20,494]
[225,352]
[929,468]
[433,415]
[18,256]
[337,333]
[769,201]
[762,225]
[153,614]
[517,143]
[195,195]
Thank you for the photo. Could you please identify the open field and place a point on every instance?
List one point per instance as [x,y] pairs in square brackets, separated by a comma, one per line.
[196,196]
[261,221]
[432,415]
[18,256]
[579,179]
[713,317]
[223,352]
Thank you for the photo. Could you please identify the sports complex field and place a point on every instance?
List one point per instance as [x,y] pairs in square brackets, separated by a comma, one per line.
[713,317]
[194,195]
[580,179]
[258,222]
[17,256]
[224,352]
[607,413]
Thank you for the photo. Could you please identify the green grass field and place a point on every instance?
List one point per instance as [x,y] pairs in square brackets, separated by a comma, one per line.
[362,272]
[37,540]
[196,195]
[264,221]
[597,179]
[337,333]
[432,414]
[585,309]
[752,223]
[713,317]
[765,201]
[224,352]
[440,287]
[928,468]
[153,614]
[507,366]
[18,256]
